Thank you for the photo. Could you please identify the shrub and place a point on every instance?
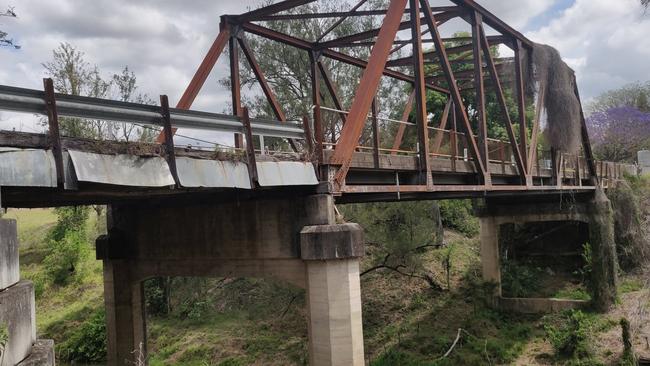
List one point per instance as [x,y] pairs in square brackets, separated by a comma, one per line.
[88,343]
[520,280]
[156,293]
[458,215]
[632,246]
[571,336]
[64,257]
[69,219]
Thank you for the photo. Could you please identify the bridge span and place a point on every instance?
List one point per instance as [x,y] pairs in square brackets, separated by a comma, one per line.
[250,210]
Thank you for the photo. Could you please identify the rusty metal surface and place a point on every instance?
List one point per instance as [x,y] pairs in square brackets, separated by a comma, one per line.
[121,170]
[285,173]
[27,168]
[199,173]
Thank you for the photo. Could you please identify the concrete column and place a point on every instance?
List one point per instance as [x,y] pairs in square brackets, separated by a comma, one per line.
[125,315]
[332,253]
[490,252]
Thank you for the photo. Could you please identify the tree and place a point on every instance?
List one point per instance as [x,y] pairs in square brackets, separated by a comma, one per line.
[632,95]
[4,41]
[73,75]
[287,69]
[645,3]
[619,132]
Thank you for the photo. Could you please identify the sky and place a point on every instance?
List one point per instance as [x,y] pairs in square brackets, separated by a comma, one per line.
[163,41]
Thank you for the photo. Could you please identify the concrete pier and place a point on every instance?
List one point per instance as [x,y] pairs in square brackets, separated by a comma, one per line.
[294,240]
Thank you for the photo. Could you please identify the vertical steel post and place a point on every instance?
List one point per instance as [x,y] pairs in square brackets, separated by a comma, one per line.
[170,154]
[316,101]
[420,96]
[54,132]
[521,100]
[479,85]
[235,84]
[250,148]
[375,134]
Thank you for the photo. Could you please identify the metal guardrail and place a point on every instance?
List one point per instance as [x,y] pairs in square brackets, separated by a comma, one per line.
[33,101]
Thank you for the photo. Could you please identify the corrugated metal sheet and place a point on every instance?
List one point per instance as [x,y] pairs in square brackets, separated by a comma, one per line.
[286,173]
[122,170]
[27,168]
[195,173]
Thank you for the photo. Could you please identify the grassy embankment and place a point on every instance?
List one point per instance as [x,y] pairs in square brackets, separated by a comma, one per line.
[406,321]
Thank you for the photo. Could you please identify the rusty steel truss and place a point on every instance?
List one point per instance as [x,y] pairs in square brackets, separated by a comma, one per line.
[424,21]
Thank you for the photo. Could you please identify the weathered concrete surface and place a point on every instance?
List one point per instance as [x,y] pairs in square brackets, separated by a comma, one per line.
[537,305]
[9,266]
[595,213]
[125,316]
[17,313]
[604,267]
[334,301]
[322,242]
[42,354]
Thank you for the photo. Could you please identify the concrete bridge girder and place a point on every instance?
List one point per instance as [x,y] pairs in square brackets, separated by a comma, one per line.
[294,240]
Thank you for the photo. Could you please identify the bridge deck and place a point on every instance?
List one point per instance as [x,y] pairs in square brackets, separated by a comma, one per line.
[106,172]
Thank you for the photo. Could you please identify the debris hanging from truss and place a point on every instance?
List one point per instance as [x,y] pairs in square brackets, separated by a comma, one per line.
[555,82]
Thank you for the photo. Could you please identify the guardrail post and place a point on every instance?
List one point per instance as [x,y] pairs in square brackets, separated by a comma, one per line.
[54,132]
[170,154]
[250,147]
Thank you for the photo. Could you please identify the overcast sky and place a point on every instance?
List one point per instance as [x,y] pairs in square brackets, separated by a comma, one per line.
[607,42]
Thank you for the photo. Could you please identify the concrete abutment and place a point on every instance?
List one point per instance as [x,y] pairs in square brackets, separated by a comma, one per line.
[17,307]
[595,212]
[290,239]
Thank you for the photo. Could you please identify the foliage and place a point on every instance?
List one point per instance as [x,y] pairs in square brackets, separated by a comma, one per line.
[69,219]
[157,296]
[458,215]
[520,280]
[4,339]
[88,342]
[630,229]
[403,229]
[72,74]
[633,95]
[4,41]
[64,257]
[572,335]
[619,132]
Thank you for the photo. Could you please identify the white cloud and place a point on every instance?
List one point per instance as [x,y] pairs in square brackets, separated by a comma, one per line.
[605,41]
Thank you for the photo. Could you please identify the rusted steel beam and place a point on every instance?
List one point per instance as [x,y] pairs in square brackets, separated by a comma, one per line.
[341,20]
[496,83]
[586,144]
[433,56]
[443,123]
[250,148]
[455,93]
[331,54]
[340,14]
[257,14]
[422,122]
[261,79]
[316,101]
[374,32]
[368,88]
[235,85]
[479,87]
[54,132]
[493,21]
[375,134]
[170,154]
[402,127]
[521,98]
[332,88]
[532,149]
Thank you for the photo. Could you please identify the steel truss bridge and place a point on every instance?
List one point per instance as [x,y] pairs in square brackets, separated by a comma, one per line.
[451,160]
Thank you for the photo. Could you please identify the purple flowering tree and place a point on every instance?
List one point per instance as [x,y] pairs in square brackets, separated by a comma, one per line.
[618,133]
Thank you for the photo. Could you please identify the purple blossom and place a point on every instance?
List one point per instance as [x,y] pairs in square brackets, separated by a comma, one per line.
[618,133]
